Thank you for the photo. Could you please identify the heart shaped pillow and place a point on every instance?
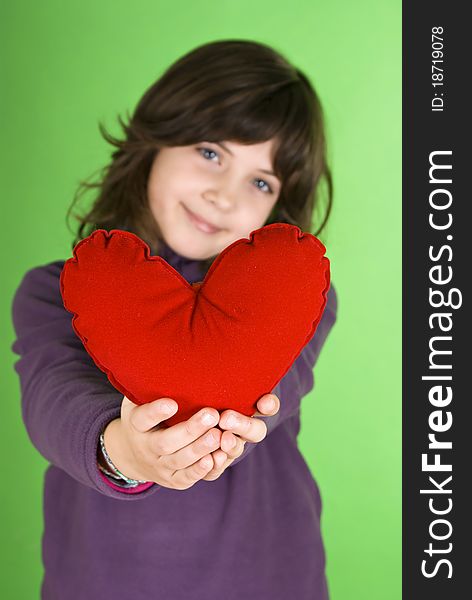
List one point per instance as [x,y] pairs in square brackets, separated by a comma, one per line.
[223,342]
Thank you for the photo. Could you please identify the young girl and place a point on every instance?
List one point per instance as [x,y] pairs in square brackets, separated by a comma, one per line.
[230,138]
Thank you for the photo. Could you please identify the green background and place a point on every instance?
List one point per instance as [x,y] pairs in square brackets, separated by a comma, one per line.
[68,65]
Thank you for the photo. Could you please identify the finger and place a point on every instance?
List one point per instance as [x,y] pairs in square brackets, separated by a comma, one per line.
[185,478]
[220,462]
[189,455]
[172,439]
[268,406]
[146,416]
[231,444]
[248,428]
[220,459]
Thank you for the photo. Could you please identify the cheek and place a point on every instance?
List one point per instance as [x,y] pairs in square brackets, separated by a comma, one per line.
[154,202]
[249,221]
[159,192]
[258,213]
[152,188]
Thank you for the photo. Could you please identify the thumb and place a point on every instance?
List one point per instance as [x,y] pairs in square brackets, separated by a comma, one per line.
[147,416]
[268,405]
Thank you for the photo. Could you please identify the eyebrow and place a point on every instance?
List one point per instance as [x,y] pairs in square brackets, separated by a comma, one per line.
[229,152]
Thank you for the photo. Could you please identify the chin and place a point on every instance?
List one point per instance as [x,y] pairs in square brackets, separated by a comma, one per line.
[190,251]
[196,255]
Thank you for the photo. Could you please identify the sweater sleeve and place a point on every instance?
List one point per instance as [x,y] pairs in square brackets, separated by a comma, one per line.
[299,380]
[66,400]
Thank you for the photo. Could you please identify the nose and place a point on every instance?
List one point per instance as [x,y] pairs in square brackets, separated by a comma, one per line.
[221,194]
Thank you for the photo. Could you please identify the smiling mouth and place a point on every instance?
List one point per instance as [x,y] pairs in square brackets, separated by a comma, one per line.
[200,223]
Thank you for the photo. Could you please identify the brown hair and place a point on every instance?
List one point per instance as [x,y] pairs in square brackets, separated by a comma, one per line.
[235,90]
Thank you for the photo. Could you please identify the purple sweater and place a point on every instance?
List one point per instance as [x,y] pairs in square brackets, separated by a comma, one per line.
[253,533]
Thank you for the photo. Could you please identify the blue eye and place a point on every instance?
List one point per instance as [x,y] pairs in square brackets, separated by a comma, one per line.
[203,150]
[265,186]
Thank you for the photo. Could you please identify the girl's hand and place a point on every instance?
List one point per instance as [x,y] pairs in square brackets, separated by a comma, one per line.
[240,429]
[176,457]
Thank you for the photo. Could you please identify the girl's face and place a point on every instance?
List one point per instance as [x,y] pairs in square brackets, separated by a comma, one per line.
[206,196]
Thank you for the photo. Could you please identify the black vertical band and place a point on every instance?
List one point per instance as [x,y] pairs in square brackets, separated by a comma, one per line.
[437,263]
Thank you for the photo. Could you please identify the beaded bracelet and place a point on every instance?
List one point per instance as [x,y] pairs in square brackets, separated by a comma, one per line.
[115,473]
[114,479]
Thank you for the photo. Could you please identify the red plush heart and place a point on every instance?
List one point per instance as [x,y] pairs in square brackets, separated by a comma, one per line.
[222,343]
